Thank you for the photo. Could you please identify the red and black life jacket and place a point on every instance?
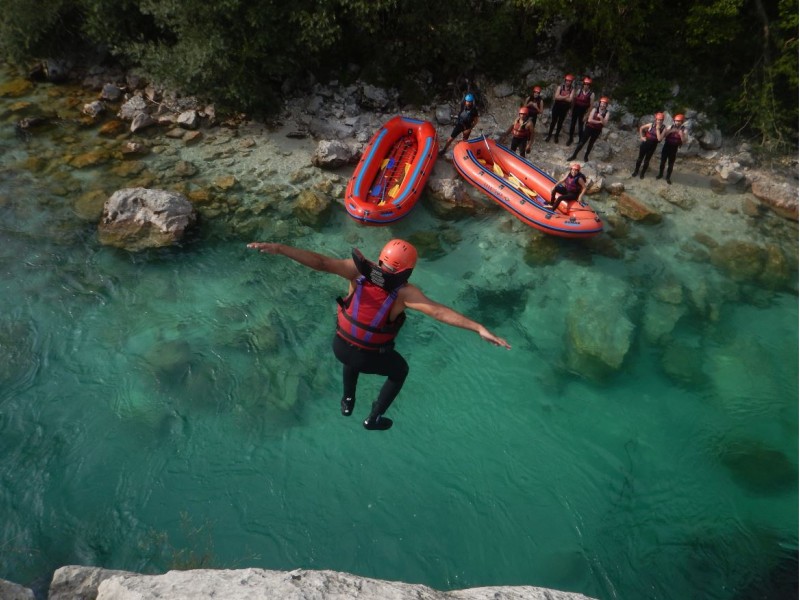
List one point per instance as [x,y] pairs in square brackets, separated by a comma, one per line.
[582,99]
[571,182]
[651,133]
[674,138]
[363,317]
[521,130]
[599,114]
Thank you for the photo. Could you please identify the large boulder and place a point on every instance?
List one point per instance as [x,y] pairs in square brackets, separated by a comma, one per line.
[781,197]
[260,584]
[139,218]
[636,210]
[312,208]
[600,336]
[332,154]
[12,591]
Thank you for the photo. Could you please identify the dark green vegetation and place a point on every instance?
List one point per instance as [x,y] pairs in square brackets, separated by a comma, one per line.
[736,59]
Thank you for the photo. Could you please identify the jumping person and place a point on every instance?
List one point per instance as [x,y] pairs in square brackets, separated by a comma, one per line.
[674,138]
[371,315]
[521,131]
[650,135]
[561,103]
[466,120]
[571,186]
[584,98]
[598,118]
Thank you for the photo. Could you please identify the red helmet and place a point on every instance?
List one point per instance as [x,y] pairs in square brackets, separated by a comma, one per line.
[523,110]
[587,80]
[537,89]
[678,118]
[605,99]
[398,255]
[659,116]
[569,77]
[576,166]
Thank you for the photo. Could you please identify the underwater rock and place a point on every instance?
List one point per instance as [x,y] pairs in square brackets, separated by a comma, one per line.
[428,244]
[601,332]
[313,208]
[660,319]
[683,363]
[139,218]
[541,249]
[757,467]
[634,209]
[740,260]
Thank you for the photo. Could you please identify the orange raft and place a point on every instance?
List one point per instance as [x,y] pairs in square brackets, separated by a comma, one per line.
[392,172]
[522,188]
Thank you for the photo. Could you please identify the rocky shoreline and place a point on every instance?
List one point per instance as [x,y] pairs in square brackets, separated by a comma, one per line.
[92,583]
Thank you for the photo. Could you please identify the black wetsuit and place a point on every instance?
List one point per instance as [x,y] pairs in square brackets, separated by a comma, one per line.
[465,120]
[646,150]
[669,152]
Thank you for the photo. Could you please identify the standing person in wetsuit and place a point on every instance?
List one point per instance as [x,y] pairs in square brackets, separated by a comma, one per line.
[521,131]
[561,103]
[598,118]
[650,135]
[535,106]
[583,99]
[371,315]
[467,119]
[674,138]
[571,186]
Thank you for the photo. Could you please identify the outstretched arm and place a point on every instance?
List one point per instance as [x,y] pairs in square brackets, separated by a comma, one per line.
[414,299]
[345,268]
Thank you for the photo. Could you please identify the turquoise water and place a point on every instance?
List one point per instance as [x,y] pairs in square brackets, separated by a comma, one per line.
[178,408]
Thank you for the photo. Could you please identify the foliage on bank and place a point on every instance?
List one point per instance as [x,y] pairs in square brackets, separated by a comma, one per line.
[737,59]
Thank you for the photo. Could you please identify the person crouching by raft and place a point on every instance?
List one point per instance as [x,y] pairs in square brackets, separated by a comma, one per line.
[467,119]
[650,135]
[674,138]
[371,315]
[571,186]
[521,131]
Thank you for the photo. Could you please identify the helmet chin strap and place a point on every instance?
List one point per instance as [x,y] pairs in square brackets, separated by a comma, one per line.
[374,274]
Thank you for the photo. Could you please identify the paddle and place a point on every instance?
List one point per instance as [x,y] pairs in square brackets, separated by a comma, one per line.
[396,187]
[387,164]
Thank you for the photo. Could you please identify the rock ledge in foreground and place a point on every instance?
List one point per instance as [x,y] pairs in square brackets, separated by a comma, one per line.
[82,583]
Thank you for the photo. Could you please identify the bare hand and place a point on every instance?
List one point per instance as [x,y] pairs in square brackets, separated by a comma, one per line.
[266,247]
[492,338]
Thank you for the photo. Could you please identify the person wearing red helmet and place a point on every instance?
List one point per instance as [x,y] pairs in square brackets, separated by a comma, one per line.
[674,138]
[584,98]
[521,131]
[535,106]
[561,103]
[598,119]
[371,315]
[650,134]
[572,186]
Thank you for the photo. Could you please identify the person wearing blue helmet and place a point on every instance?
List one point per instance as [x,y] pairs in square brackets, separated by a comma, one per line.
[466,120]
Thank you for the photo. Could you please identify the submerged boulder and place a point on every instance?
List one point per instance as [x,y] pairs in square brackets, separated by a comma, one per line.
[139,218]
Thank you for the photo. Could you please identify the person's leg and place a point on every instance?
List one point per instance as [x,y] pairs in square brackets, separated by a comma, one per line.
[580,145]
[593,135]
[518,144]
[648,154]
[642,152]
[671,163]
[562,114]
[553,119]
[345,354]
[395,368]
[664,154]
[574,118]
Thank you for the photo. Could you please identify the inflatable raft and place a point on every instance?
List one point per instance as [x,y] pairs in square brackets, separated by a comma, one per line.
[392,172]
[522,188]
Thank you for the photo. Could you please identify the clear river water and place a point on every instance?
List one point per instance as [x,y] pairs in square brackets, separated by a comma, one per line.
[179,408]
